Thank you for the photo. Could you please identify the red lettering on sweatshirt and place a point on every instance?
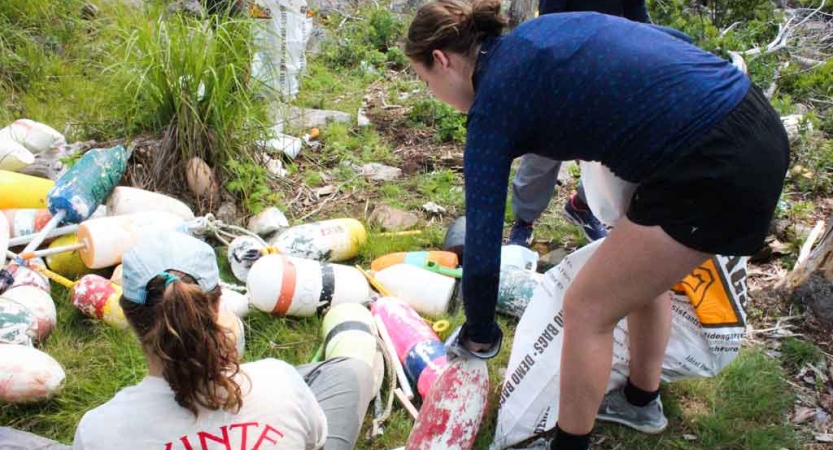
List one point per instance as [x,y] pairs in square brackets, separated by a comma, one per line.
[206,436]
[244,431]
[264,437]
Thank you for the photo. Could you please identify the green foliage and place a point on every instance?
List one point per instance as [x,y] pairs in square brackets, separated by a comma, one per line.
[365,40]
[796,353]
[803,84]
[249,182]
[812,170]
[449,124]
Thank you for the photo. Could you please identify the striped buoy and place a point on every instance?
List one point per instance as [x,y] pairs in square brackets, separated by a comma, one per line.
[331,240]
[427,292]
[419,259]
[288,286]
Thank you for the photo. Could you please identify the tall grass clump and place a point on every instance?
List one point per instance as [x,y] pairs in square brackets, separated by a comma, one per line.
[189,75]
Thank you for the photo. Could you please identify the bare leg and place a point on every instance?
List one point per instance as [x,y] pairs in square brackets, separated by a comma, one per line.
[648,331]
[628,272]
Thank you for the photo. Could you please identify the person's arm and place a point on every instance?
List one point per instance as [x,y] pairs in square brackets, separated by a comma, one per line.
[486,167]
[635,10]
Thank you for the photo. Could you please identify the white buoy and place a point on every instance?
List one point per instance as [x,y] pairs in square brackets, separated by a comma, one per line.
[288,286]
[128,200]
[18,324]
[518,256]
[427,292]
[237,251]
[331,240]
[348,330]
[28,374]
[107,239]
[236,329]
[25,276]
[234,302]
[40,303]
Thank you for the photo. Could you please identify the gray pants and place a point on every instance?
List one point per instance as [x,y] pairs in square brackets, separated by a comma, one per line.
[534,185]
[342,387]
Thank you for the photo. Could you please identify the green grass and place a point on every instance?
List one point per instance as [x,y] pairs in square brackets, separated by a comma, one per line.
[795,353]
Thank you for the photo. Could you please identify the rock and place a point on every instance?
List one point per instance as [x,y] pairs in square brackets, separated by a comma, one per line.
[267,222]
[391,219]
[433,208]
[325,7]
[314,118]
[326,190]
[275,168]
[361,118]
[551,259]
[200,178]
[89,11]
[794,126]
[817,293]
[186,6]
[779,227]
[228,214]
[319,34]
[380,172]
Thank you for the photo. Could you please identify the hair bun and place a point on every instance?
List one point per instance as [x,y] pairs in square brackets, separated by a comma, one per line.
[486,17]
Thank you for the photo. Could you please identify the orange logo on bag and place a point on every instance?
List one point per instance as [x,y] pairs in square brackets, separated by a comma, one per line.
[711,295]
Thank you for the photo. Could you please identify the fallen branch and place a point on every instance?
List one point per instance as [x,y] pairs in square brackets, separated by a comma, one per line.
[808,244]
[729,28]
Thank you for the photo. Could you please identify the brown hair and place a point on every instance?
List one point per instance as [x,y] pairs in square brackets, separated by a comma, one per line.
[199,359]
[453,26]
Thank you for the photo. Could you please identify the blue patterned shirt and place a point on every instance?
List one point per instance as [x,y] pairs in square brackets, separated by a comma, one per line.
[581,86]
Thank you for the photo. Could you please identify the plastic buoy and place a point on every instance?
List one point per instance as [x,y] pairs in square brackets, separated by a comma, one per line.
[116,276]
[516,289]
[427,292]
[23,222]
[68,264]
[331,240]
[417,346]
[518,256]
[28,374]
[452,413]
[288,286]
[87,183]
[40,304]
[18,324]
[419,259]
[26,276]
[4,239]
[455,237]
[234,302]
[18,191]
[236,328]
[128,200]
[97,297]
[242,254]
[348,330]
[108,238]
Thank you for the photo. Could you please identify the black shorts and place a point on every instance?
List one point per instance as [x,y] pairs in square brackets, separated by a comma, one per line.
[721,195]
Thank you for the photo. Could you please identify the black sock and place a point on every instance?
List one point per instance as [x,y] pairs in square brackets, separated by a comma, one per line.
[566,441]
[638,397]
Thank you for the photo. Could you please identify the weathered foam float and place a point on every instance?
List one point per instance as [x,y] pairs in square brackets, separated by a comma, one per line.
[68,264]
[18,324]
[28,375]
[349,331]
[243,252]
[4,239]
[41,305]
[427,292]
[289,286]
[452,413]
[95,296]
[24,222]
[127,200]
[417,346]
[515,290]
[330,240]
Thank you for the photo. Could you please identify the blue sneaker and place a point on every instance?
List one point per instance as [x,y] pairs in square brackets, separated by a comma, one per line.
[520,233]
[577,213]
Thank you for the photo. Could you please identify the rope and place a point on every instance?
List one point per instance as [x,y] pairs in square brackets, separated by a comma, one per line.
[220,230]
[391,374]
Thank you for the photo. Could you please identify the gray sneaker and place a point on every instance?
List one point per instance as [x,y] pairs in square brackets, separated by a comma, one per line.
[648,419]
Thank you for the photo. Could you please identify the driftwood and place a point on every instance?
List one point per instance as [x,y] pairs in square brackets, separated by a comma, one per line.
[811,282]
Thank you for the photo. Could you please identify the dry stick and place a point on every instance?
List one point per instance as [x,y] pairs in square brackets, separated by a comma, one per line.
[808,244]
[403,399]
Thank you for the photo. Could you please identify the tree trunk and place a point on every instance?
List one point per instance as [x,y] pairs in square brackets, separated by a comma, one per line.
[811,282]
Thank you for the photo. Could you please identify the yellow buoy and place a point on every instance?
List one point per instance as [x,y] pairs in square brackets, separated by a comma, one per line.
[18,191]
[68,264]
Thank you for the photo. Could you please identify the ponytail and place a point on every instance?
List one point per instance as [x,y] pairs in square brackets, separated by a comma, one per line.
[453,26]
[178,325]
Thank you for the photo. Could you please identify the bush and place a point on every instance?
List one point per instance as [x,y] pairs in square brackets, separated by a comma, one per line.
[367,40]
[449,124]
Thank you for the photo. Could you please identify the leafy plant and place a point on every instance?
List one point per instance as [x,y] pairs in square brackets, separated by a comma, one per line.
[366,40]
[449,124]
[796,353]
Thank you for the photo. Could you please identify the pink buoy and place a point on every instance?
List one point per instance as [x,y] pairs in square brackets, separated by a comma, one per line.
[419,349]
[452,414]
[98,297]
